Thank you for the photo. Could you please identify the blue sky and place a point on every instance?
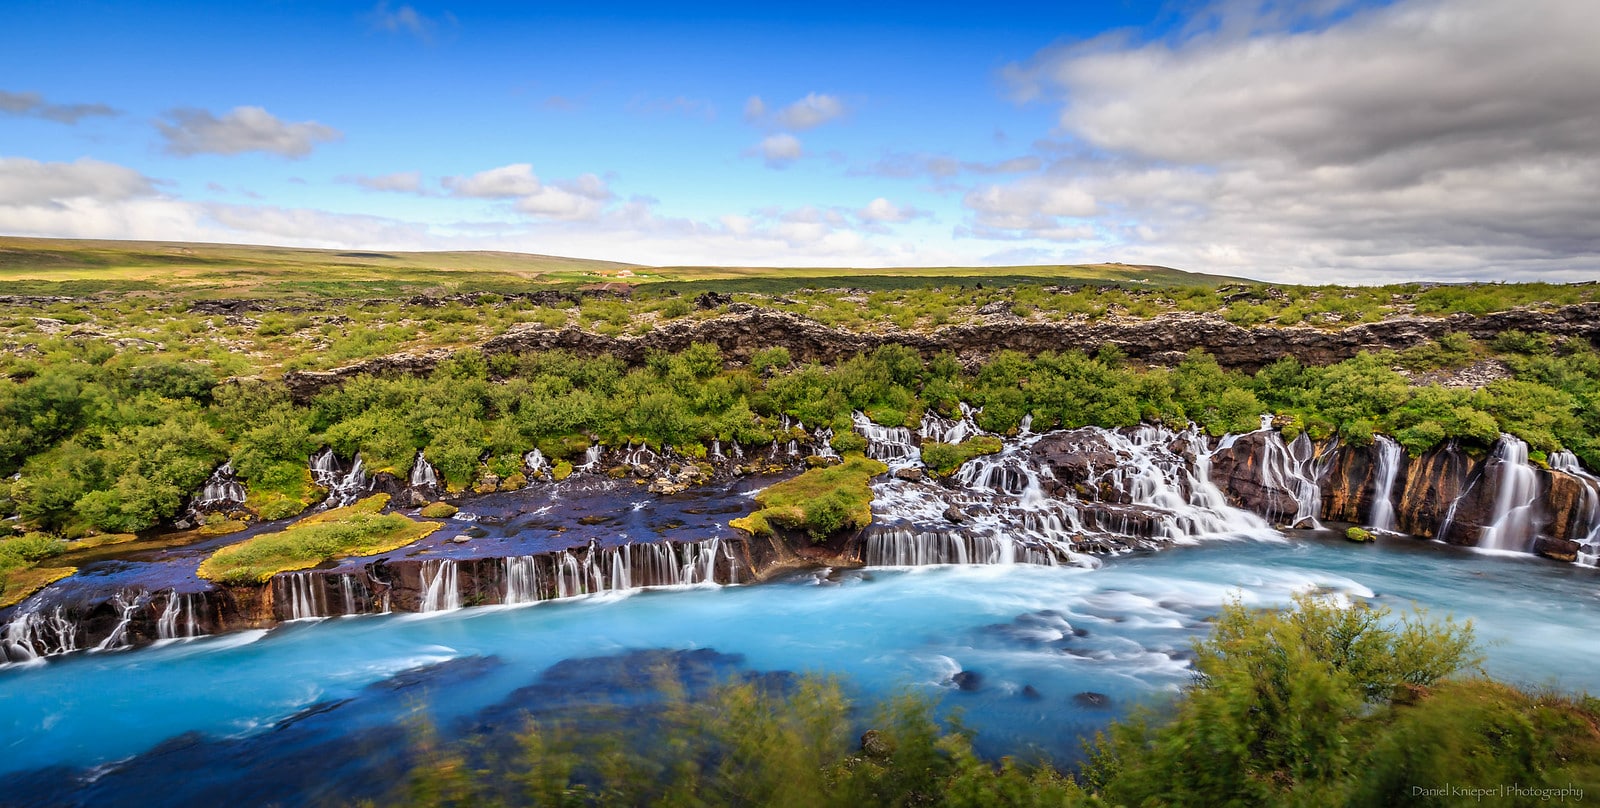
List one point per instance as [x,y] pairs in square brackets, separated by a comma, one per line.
[1302,141]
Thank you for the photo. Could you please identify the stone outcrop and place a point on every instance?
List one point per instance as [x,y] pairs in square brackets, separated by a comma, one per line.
[1163,339]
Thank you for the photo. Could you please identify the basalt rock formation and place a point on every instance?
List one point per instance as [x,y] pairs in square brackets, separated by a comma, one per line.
[746,329]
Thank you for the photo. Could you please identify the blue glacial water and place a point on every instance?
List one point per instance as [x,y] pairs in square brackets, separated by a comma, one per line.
[1039,638]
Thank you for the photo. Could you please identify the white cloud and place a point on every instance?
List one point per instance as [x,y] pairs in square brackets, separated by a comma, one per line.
[780,150]
[407,182]
[882,211]
[504,182]
[25,182]
[406,19]
[1420,139]
[244,129]
[33,105]
[582,198]
[810,112]
[754,109]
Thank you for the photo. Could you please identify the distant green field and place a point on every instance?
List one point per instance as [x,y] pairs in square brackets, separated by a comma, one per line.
[81,266]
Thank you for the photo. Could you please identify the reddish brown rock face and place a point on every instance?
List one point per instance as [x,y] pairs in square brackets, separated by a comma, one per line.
[1238,471]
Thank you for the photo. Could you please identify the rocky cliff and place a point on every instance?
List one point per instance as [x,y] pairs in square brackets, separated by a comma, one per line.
[746,329]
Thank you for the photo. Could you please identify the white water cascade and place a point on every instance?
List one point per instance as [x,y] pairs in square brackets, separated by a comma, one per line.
[126,604]
[1511,528]
[344,486]
[591,459]
[821,443]
[995,509]
[37,634]
[939,429]
[1387,471]
[441,585]
[303,594]
[423,474]
[1589,539]
[1294,468]
[586,571]
[222,489]
[536,462]
[891,444]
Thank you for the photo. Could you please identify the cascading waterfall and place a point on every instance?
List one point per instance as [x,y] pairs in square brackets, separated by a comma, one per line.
[37,634]
[1294,468]
[522,580]
[586,571]
[423,474]
[185,607]
[222,489]
[303,593]
[591,459]
[344,486]
[1388,470]
[1511,528]
[821,443]
[536,462]
[1144,490]
[944,430]
[167,623]
[1587,529]
[891,444]
[441,584]
[126,604]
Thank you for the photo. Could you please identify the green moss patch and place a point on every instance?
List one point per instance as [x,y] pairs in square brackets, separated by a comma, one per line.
[18,584]
[438,510]
[354,530]
[944,458]
[821,501]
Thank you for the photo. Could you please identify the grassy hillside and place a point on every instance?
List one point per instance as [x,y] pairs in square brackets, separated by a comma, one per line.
[81,266]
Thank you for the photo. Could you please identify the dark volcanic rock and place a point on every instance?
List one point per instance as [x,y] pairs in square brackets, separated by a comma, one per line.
[745,329]
[1090,698]
[967,681]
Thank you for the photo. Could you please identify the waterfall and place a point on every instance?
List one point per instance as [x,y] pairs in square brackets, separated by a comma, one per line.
[222,489]
[422,473]
[594,569]
[167,623]
[1586,530]
[890,444]
[1009,508]
[536,462]
[441,581]
[1293,468]
[716,450]
[522,580]
[1381,516]
[37,634]
[344,486]
[347,588]
[126,603]
[591,459]
[303,594]
[939,429]
[821,443]
[1515,496]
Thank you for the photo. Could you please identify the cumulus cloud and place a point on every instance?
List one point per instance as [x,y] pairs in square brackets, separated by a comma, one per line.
[810,112]
[1424,138]
[33,105]
[25,182]
[405,182]
[582,198]
[406,19]
[244,129]
[882,211]
[905,165]
[779,150]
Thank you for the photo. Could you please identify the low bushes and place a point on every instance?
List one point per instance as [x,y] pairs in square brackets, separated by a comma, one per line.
[354,530]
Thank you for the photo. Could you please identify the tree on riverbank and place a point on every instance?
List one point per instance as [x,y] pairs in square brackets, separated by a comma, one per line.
[1316,705]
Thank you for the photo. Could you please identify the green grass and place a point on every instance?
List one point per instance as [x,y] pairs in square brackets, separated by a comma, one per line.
[944,458]
[820,502]
[354,530]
